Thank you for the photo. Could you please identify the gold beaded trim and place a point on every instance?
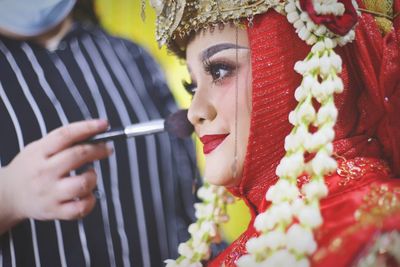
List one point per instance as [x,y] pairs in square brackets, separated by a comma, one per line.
[354,169]
[378,204]
[176,19]
[382,10]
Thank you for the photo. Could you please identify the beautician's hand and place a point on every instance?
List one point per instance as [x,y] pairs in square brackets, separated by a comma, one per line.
[37,183]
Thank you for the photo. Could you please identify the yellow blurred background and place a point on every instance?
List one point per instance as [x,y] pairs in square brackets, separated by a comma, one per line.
[123,18]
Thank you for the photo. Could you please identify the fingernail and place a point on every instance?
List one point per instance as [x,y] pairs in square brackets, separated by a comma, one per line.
[102,123]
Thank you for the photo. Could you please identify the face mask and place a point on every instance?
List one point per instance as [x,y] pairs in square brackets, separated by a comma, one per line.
[33,17]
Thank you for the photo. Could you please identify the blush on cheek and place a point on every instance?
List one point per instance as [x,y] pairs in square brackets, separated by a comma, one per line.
[226,94]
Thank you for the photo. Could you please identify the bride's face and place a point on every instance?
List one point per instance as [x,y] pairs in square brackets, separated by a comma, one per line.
[219,65]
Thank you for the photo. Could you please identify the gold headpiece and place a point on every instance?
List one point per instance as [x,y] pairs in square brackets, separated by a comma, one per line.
[383,13]
[176,19]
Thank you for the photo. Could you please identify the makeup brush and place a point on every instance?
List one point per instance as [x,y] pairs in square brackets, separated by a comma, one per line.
[176,124]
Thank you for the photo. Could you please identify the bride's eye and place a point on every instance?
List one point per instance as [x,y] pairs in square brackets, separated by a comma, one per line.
[219,70]
[190,87]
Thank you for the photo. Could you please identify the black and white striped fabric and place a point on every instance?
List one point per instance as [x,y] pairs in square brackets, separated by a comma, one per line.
[145,189]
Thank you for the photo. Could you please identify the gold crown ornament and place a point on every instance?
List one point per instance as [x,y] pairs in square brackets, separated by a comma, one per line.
[176,19]
[382,10]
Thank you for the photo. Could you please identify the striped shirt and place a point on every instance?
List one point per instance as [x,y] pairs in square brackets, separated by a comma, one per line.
[145,189]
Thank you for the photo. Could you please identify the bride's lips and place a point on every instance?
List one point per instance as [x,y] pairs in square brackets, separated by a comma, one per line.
[211,142]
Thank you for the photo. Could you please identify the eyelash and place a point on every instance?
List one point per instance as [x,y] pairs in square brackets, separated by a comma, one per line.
[190,87]
[214,69]
[211,68]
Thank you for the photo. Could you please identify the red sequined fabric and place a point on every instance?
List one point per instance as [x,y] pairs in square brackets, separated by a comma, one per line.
[367,133]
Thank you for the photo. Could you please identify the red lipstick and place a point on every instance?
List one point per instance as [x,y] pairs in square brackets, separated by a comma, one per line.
[211,142]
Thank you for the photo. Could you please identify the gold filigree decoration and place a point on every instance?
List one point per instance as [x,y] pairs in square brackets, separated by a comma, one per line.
[382,10]
[176,19]
[378,204]
[354,169]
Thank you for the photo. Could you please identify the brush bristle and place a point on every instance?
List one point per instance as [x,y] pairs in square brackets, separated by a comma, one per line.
[178,124]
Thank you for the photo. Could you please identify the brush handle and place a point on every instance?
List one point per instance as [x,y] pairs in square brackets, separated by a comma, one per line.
[110,135]
[138,129]
[145,128]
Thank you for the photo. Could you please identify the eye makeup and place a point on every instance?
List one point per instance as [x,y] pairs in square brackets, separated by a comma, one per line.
[219,69]
[190,87]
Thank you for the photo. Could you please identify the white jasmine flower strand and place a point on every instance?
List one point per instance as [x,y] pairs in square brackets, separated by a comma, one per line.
[210,213]
[310,32]
[282,242]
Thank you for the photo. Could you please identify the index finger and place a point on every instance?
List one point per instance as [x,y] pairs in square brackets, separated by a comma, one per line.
[68,135]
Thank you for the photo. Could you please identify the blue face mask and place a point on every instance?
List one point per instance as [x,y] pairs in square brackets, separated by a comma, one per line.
[33,17]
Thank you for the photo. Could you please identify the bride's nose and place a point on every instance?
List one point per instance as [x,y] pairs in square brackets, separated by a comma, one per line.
[201,109]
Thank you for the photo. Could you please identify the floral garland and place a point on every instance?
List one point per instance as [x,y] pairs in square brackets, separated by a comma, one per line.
[210,213]
[286,227]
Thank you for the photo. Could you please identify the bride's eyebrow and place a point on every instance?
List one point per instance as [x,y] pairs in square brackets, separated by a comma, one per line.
[212,50]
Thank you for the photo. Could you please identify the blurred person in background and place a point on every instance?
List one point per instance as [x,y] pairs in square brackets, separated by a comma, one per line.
[58,71]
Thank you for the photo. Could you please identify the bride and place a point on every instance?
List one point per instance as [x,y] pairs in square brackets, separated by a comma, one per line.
[295,102]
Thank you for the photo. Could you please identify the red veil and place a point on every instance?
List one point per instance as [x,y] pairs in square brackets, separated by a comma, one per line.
[364,197]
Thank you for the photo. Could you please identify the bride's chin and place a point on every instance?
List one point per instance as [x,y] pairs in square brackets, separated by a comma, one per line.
[218,166]
[221,178]
[214,176]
